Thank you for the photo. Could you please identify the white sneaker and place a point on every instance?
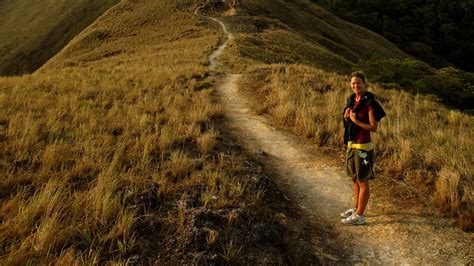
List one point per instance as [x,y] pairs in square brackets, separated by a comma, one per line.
[348,212]
[354,219]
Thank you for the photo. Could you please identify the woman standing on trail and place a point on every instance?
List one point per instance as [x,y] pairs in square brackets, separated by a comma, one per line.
[361,115]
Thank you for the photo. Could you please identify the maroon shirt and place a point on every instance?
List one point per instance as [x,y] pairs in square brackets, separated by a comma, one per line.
[361,135]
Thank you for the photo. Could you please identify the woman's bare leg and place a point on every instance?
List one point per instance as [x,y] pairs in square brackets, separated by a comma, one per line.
[364,194]
[356,193]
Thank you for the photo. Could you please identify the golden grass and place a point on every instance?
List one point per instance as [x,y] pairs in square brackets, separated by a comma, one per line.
[230,252]
[105,139]
[420,140]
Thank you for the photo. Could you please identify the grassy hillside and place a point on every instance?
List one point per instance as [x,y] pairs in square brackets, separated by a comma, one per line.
[113,153]
[296,57]
[31,32]
[300,32]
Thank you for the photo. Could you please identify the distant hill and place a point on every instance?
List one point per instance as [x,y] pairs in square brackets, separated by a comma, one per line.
[31,32]
[299,31]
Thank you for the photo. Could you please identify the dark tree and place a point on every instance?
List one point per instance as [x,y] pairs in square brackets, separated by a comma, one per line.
[439,32]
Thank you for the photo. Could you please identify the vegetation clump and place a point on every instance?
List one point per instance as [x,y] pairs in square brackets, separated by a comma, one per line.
[452,86]
[438,32]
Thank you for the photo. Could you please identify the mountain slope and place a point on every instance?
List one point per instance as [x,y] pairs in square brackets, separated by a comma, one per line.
[31,32]
[116,151]
[300,31]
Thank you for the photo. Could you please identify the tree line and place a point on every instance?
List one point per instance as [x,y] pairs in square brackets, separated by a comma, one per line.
[438,32]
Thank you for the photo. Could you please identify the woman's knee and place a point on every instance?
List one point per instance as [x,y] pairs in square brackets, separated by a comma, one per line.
[354,179]
[363,184]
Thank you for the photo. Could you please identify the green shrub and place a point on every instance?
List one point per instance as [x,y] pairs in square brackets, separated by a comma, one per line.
[452,86]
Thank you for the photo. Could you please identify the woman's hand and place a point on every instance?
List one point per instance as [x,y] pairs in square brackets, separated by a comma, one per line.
[347,113]
[352,116]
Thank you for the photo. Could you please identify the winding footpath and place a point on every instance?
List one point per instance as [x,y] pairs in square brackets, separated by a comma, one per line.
[323,191]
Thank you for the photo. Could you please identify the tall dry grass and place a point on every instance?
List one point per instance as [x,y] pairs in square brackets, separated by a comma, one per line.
[420,140]
[98,147]
[77,145]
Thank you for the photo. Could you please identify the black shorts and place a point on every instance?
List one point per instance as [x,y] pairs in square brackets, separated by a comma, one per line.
[359,164]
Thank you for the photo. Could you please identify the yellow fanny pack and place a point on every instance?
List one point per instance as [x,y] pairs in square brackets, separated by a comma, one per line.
[361,146]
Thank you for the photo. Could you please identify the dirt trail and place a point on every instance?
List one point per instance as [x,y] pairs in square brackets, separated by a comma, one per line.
[323,191]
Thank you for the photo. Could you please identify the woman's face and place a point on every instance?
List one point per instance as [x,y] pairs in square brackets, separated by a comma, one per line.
[357,85]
